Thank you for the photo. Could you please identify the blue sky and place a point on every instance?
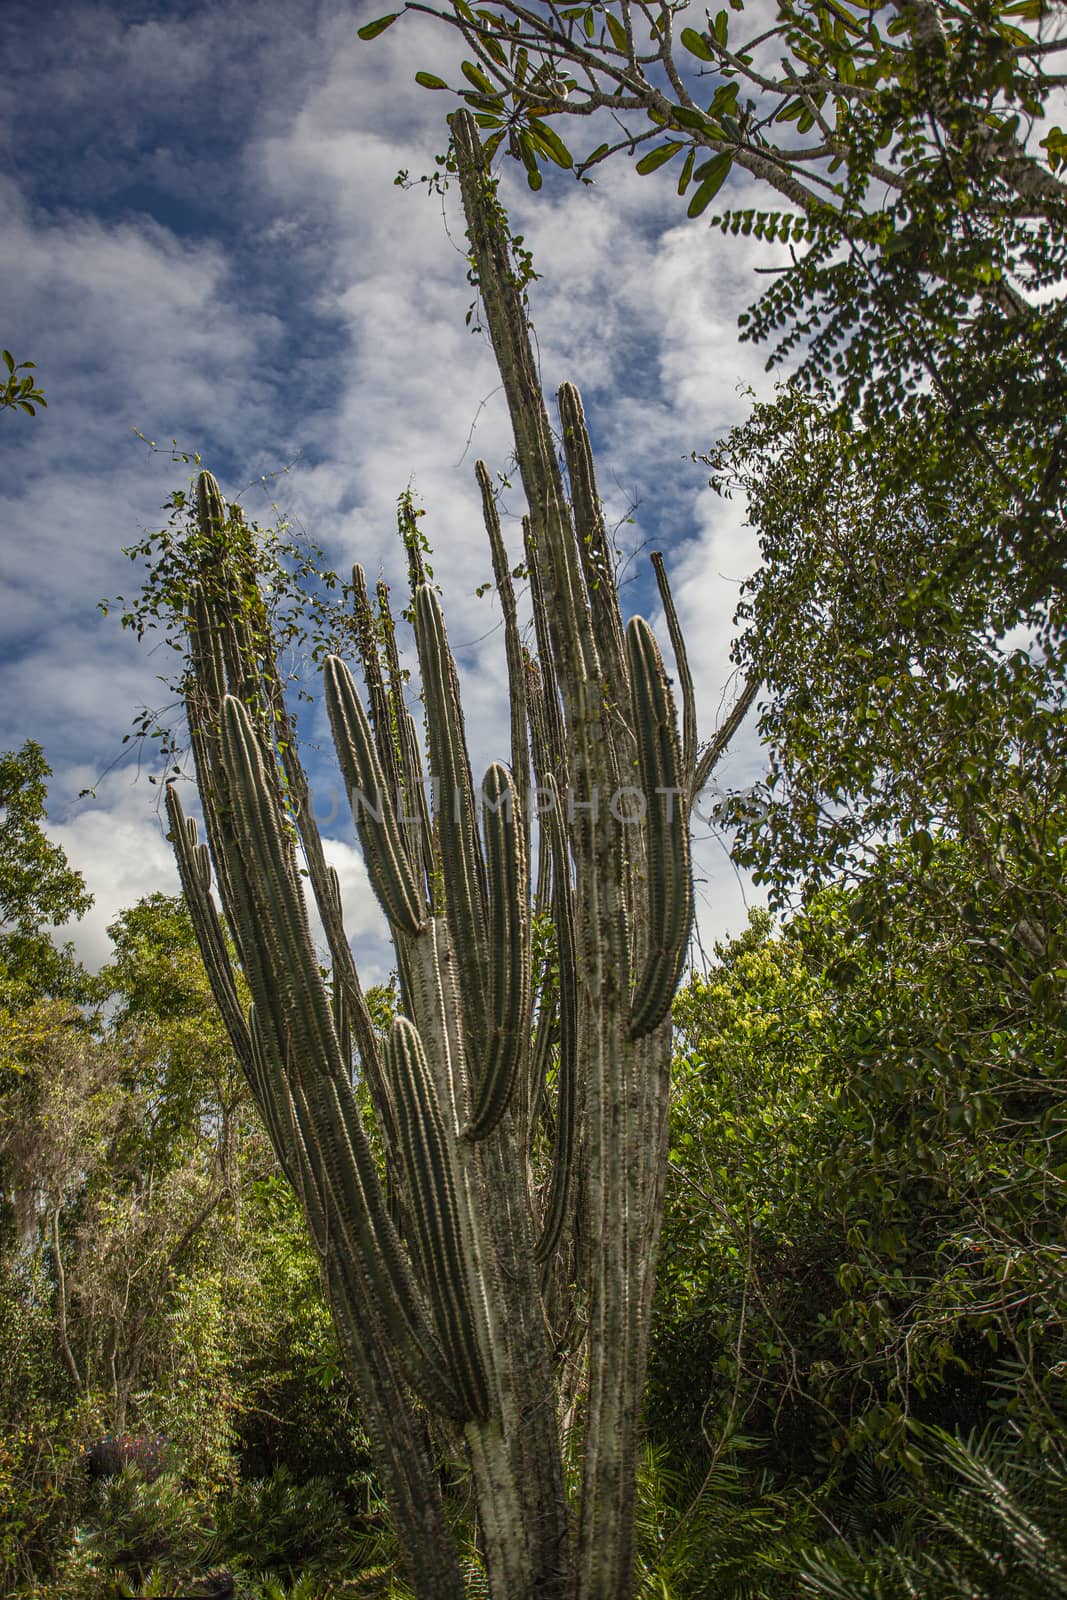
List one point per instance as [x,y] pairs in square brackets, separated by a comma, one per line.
[202,240]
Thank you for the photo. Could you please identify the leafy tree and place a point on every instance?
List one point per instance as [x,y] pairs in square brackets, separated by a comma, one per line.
[157,1275]
[896,704]
[869,1148]
[38,888]
[925,218]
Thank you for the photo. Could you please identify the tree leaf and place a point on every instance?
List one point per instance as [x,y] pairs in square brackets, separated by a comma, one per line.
[696,45]
[690,117]
[430,80]
[715,173]
[371,30]
[476,76]
[617,31]
[658,157]
[550,142]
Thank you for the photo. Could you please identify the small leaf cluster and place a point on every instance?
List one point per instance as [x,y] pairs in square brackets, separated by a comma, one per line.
[20,393]
[301,604]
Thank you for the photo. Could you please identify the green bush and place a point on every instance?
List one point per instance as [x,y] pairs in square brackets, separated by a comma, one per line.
[278,1525]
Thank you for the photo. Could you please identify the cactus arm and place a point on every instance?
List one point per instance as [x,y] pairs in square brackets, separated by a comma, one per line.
[554,757]
[535,700]
[681,661]
[563,1155]
[592,541]
[370,661]
[372,804]
[507,1036]
[235,650]
[669,876]
[194,871]
[418,829]
[568,616]
[408,1476]
[383,713]
[462,867]
[329,908]
[422,822]
[432,1188]
[342,1019]
[204,691]
[301,1048]
[520,741]
[714,751]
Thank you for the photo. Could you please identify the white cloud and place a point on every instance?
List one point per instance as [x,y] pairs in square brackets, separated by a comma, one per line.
[325,322]
[119,845]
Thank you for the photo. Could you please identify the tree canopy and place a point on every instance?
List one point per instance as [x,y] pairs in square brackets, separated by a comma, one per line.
[910,171]
[38,888]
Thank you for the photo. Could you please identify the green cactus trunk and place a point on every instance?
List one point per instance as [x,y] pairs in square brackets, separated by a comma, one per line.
[520,1102]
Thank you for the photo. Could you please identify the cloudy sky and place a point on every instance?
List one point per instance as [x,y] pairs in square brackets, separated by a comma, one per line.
[203,241]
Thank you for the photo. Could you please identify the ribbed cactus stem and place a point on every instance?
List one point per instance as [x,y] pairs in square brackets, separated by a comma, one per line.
[297,1023]
[669,884]
[567,1005]
[434,1201]
[372,805]
[507,1033]
[462,867]
[511,1245]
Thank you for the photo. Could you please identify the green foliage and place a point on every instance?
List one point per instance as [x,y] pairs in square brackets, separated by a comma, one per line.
[303,606]
[898,702]
[726,1536]
[19,393]
[189,1300]
[864,1230]
[134,1525]
[926,215]
[277,1524]
[989,1524]
[38,889]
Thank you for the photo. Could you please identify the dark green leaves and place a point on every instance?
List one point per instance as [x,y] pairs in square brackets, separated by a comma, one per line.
[617,31]
[690,117]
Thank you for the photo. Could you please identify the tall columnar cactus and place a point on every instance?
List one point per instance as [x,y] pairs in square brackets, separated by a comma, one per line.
[500,1266]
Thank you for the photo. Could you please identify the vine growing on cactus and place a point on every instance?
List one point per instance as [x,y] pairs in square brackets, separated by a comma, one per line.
[497,1276]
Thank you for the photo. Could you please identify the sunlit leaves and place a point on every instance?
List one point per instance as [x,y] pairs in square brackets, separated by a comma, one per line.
[617,32]
[1055,142]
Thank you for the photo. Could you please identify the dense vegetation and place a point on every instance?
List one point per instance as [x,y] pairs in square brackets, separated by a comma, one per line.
[858,1378]
[859,1365]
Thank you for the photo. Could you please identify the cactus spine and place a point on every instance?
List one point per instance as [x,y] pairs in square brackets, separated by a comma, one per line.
[522,1114]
